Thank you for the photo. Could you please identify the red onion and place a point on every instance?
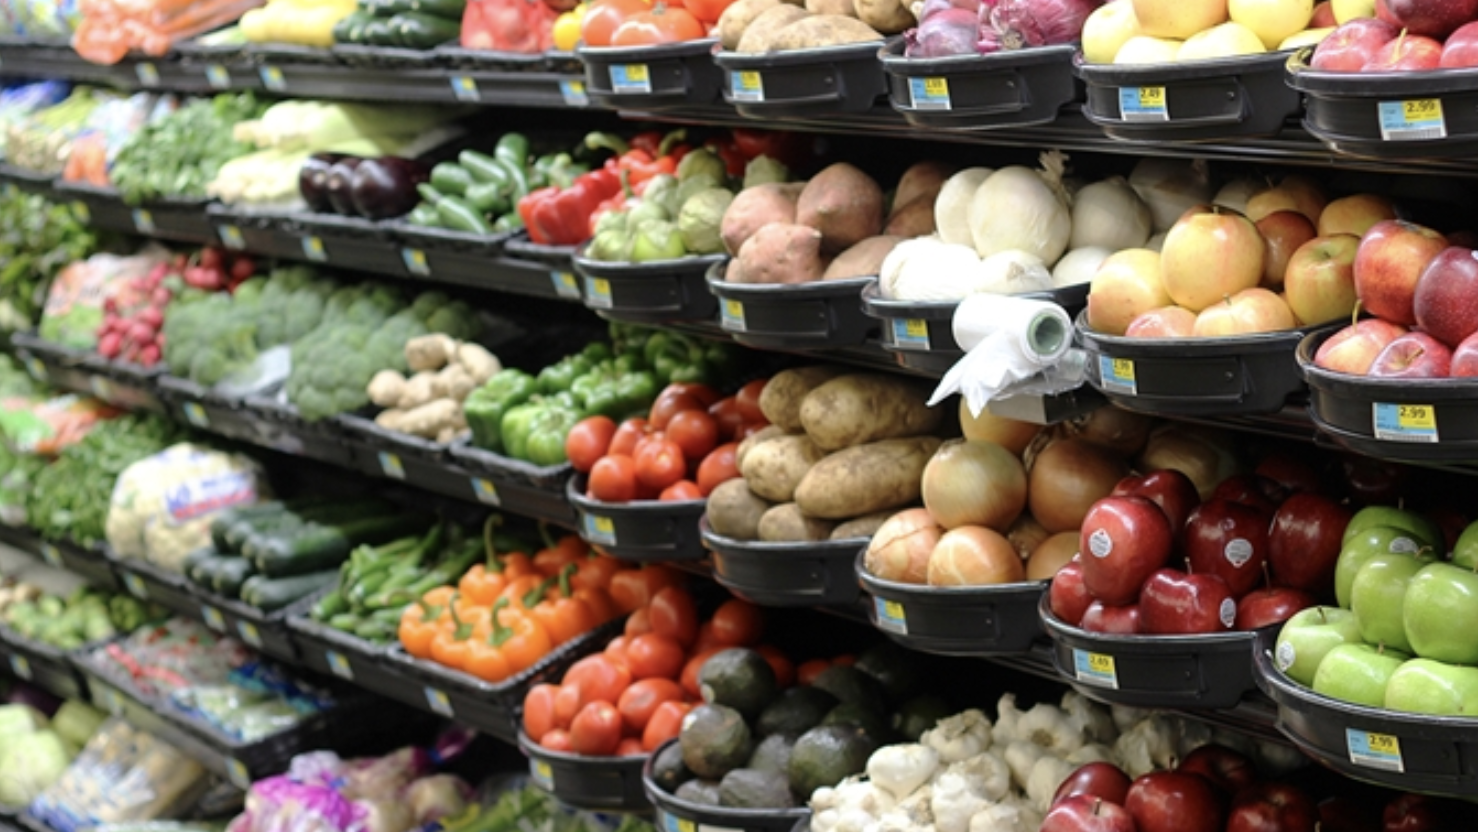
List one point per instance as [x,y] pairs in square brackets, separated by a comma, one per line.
[1017,24]
[949,31]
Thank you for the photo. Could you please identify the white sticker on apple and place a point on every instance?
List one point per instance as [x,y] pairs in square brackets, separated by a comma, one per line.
[1238,551]
[1285,656]
[1228,612]
[1100,544]
[1403,546]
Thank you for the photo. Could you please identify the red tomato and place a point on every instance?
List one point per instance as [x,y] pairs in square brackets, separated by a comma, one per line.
[652,657]
[718,467]
[682,490]
[596,729]
[669,403]
[748,399]
[705,395]
[666,722]
[689,679]
[616,650]
[598,678]
[613,479]
[706,638]
[567,703]
[808,671]
[627,435]
[603,16]
[660,463]
[630,747]
[639,622]
[845,660]
[538,710]
[738,623]
[726,413]
[694,431]
[588,440]
[557,740]
[642,698]
[780,663]
[707,11]
[672,614]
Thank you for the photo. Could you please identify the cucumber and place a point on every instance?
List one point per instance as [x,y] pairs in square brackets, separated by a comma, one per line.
[320,546]
[230,575]
[270,594]
[444,9]
[225,518]
[414,30]
[379,32]
[347,29]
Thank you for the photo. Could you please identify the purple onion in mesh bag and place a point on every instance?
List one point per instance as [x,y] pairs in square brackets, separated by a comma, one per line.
[1018,24]
[944,30]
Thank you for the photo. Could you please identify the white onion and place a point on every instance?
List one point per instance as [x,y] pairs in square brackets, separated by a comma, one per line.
[1234,194]
[929,269]
[1170,186]
[1021,208]
[952,206]
[1110,214]
[1078,266]
[1013,272]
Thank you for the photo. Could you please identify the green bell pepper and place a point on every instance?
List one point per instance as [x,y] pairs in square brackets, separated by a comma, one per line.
[536,431]
[558,377]
[486,406]
[556,169]
[614,390]
[675,358]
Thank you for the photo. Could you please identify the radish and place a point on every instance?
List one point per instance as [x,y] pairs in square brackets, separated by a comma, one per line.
[149,355]
[109,345]
[151,317]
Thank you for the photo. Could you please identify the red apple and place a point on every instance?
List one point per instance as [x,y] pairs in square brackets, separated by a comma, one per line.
[1343,813]
[1248,312]
[1229,540]
[1085,813]
[1446,299]
[1391,258]
[1305,540]
[1119,620]
[1353,349]
[1165,322]
[1272,807]
[1351,46]
[1067,596]
[1228,770]
[1123,540]
[1383,13]
[1282,233]
[1167,488]
[1413,355]
[1432,18]
[1320,279]
[1292,474]
[1461,47]
[1414,813]
[1407,53]
[1373,481]
[1251,490]
[1179,603]
[1105,781]
[1271,605]
[1323,16]
[1168,801]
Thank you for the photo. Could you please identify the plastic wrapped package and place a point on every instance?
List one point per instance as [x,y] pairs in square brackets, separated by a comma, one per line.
[123,774]
[74,305]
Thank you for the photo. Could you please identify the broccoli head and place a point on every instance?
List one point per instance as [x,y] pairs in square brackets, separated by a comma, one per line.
[428,302]
[455,319]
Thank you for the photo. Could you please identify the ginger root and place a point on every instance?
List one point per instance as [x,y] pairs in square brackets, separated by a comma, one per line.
[386,388]
[478,362]
[430,352]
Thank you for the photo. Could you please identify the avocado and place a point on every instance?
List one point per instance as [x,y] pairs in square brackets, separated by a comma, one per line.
[875,724]
[740,679]
[702,792]
[826,755]
[900,672]
[848,684]
[746,788]
[797,711]
[714,741]
[773,753]
[668,769]
[919,714]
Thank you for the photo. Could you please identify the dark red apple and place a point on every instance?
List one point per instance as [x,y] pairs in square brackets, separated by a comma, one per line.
[1452,523]
[1461,48]
[1085,813]
[1067,596]
[1433,18]
[1389,262]
[1168,801]
[1272,807]
[1102,618]
[1181,603]
[1351,46]
[1323,16]
[1407,53]
[1271,605]
[1465,358]
[1292,474]
[1446,299]
[1123,540]
[1374,481]
[1345,814]
[1251,490]
[1414,813]
[1229,540]
[1304,541]
[1105,781]
[1228,770]
[1167,488]
[1413,355]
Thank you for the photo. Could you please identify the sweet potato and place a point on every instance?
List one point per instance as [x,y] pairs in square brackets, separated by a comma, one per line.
[822,30]
[868,478]
[863,259]
[915,219]
[925,178]
[844,204]
[778,253]
[865,407]
[840,7]
[887,16]
[737,17]
[755,207]
[762,32]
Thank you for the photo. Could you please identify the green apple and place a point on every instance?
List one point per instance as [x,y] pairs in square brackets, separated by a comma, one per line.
[1440,613]
[1424,686]
[1357,673]
[1376,540]
[1378,596]
[1426,531]
[1308,636]
[1465,551]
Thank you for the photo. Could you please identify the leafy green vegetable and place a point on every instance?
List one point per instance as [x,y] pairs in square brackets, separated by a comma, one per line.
[37,238]
[180,153]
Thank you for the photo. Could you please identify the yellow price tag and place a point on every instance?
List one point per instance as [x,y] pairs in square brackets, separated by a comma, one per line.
[1099,663]
[601,286]
[893,609]
[1422,109]
[916,327]
[936,87]
[1417,416]
[1152,97]
[637,72]
[1384,744]
[686,825]
[1124,368]
[604,525]
[750,80]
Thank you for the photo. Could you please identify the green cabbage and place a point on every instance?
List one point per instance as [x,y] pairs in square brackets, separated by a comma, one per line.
[19,720]
[76,722]
[29,764]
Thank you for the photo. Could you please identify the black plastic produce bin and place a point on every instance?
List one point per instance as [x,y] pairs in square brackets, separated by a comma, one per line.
[399,456]
[649,293]
[1191,101]
[676,815]
[312,72]
[46,666]
[520,247]
[30,181]
[149,582]
[262,234]
[1193,671]
[1409,420]
[226,67]
[955,621]
[445,255]
[803,83]
[39,57]
[813,573]
[1392,115]
[1018,88]
[182,219]
[516,486]
[601,784]
[651,77]
[127,385]
[90,563]
[550,79]
[204,409]
[60,366]
[284,430]
[260,630]
[824,313]
[352,243]
[639,531]
[328,651]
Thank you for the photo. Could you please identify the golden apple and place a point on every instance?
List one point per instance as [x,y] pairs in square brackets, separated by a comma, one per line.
[1307,37]
[1126,285]
[1178,18]
[1143,49]
[1354,214]
[1107,29]
[1347,10]
[1227,40]
[1271,20]
[1247,312]
[1210,256]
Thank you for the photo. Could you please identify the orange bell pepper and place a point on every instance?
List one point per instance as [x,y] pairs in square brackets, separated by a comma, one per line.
[451,644]
[556,554]
[522,639]
[596,571]
[485,660]
[562,615]
[419,624]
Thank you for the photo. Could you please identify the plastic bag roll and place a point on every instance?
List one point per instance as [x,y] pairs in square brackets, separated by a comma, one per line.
[1040,331]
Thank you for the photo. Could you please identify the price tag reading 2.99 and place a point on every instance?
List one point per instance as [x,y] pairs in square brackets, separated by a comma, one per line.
[1404,422]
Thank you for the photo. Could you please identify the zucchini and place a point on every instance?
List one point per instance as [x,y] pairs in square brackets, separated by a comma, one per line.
[451,178]
[203,571]
[414,30]
[444,9]
[379,32]
[346,29]
[320,546]
[230,575]
[224,519]
[187,566]
[270,594]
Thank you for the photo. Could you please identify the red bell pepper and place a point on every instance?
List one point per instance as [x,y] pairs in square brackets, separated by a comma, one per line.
[728,151]
[786,147]
[561,217]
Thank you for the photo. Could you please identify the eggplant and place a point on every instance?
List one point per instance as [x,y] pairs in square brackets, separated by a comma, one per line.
[386,186]
[313,180]
[337,184]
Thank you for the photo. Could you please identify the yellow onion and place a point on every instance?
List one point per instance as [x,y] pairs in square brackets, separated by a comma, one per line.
[1067,478]
[974,556]
[900,549]
[1012,434]
[974,483]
